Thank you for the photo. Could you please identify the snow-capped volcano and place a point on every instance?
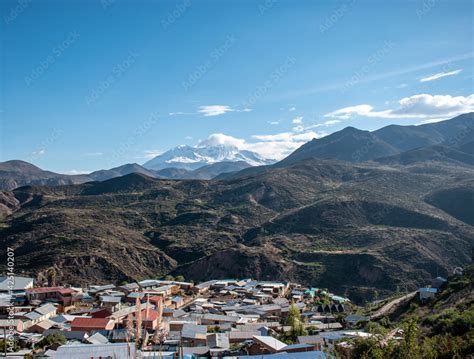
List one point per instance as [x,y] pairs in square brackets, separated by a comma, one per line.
[191,158]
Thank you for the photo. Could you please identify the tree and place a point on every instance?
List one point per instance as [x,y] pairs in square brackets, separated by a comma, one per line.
[367,348]
[15,346]
[52,274]
[179,278]
[409,348]
[52,340]
[213,329]
[429,348]
[293,315]
[294,321]
[375,328]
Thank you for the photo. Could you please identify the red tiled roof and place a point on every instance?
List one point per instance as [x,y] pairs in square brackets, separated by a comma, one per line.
[90,322]
[60,290]
[155,298]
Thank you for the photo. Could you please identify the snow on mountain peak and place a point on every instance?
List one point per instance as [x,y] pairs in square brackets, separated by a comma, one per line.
[191,158]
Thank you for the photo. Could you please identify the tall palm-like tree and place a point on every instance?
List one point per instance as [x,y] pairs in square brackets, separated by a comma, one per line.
[138,324]
[129,327]
[51,274]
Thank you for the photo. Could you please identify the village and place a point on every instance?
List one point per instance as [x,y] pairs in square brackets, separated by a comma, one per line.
[176,319]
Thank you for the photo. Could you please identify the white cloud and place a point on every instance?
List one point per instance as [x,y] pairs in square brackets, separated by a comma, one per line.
[274,146]
[280,145]
[217,110]
[214,110]
[289,136]
[219,139]
[152,153]
[39,152]
[93,154]
[331,122]
[291,109]
[346,113]
[297,120]
[422,106]
[274,122]
[440,75]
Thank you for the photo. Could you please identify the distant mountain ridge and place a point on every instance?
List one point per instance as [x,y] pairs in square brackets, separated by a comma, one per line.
[16,173]
[123,170]
[450,141]
[354,145]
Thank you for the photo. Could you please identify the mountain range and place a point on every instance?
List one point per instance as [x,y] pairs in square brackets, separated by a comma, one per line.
[356,210]
[182,162]
[444,141]
[351,144]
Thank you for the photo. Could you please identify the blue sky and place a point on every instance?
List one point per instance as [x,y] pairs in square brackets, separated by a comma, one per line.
[95,84]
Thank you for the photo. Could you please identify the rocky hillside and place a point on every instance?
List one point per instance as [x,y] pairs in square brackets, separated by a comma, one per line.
[355,227]
[17,173]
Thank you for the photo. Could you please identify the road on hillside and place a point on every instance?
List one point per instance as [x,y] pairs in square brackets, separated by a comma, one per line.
[387,307]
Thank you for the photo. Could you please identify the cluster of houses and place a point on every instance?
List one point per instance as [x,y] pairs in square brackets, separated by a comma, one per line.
[166,318]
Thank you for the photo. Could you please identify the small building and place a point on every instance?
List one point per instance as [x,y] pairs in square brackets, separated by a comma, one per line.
[97,338]
[44,312]
[15,284]
[90,324]
[61,295]
[100,289]
[149,319]
[177,302]
[425,294]
[111,302]
[132,297]
[42,326]
[217,319]
[103,312]
[148,284]
[315,340]
[218,341]
[298,348]
[193,335]
[81,351]
[265,345]
[129,288]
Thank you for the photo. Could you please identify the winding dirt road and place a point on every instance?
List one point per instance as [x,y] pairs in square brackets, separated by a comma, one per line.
[387,307]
